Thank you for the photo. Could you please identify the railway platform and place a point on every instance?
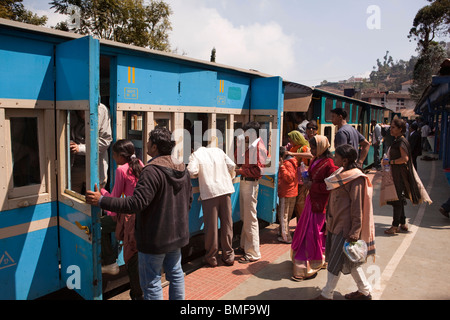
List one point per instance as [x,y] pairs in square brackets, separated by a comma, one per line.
[408,266]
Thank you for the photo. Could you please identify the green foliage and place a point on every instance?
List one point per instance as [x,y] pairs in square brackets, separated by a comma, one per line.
[389,75]
[431,22]
[15,10]
[126,21]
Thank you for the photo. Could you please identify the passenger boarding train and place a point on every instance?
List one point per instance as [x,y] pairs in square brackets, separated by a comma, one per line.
[49,237]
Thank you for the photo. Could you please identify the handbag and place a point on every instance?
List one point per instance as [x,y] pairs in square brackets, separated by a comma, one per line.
[387,190]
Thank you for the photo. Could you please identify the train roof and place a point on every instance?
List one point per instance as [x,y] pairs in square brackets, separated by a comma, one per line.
[353,100]
[64,35]
[296,94]
[435,95]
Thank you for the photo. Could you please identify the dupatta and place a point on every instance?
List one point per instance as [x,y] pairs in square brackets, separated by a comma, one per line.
[338,179]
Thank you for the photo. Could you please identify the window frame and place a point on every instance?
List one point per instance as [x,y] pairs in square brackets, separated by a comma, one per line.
[19,197]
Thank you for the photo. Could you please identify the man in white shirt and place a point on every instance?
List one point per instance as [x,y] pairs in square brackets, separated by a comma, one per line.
[215,171]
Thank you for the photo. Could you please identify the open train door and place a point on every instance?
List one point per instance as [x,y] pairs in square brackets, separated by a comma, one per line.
[77,97]
[266,108]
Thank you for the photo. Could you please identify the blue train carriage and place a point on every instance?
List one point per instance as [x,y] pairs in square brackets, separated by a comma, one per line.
[49,237]
[360,115]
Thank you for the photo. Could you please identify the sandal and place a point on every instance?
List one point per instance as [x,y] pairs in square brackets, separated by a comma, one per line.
[297,279]
[245,260]
[391,230]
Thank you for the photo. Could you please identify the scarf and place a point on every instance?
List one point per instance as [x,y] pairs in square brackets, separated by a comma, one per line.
[322,144]
[298,138]
[340,178]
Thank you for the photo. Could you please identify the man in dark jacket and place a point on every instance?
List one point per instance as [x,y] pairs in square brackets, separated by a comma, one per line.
[415,142]
[161,201]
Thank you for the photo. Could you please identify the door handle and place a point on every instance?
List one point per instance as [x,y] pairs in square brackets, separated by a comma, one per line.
[84,228]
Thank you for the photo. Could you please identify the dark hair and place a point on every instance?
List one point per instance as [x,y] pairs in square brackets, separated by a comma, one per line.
[327,153]
[414,126]
[125,148]
[252,125]
[399,123]
[347,151]
[340,112]
[162,138]
[312,123]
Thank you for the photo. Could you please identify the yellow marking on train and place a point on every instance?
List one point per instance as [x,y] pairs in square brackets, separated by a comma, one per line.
[131,74]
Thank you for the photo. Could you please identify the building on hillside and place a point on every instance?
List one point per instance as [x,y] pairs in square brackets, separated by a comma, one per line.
[399,102]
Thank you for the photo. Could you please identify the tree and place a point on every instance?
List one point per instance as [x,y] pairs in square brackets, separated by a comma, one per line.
[15,10]
[126,21]
[213,55]
[431,22]
[428,64]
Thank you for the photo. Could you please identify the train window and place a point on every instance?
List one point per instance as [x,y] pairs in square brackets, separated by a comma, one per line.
[327,133]
[162,120]
[26,153]
[355,113]
[266,123]
[222,126]
[198,123]
[76,141]
[134,130]
[328,108]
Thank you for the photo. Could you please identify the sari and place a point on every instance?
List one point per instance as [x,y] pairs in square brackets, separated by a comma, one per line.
[308,243]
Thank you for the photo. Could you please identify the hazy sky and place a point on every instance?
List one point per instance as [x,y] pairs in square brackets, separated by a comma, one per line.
[300,40]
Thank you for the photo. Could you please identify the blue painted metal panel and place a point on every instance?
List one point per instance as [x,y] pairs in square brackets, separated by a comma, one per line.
[77,78]
[197,87]
[232,91]
[147,81]
[72,70]
[267,94]
[26,69]
[157,82]
[76,252]
[29,264]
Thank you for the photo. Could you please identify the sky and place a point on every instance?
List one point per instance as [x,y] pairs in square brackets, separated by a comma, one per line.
[302,41]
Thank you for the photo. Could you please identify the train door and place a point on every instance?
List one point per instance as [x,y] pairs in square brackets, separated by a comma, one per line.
[266,108]
[77,98]
[29,265]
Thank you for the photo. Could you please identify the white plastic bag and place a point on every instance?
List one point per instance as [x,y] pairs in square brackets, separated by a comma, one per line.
[356,251]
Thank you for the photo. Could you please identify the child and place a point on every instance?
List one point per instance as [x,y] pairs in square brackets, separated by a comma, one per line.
[127,174]
[349,218]
[287,192]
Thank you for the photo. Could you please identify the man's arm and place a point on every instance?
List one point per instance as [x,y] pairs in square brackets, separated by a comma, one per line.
[193,166]
[365,146]
[143,195]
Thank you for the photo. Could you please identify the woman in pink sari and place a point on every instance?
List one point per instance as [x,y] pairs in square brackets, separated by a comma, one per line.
[308,244]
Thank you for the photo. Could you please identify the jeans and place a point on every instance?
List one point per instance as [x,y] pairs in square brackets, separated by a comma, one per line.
[150,267]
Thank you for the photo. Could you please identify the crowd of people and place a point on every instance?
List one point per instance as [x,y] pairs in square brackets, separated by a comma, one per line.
[330,196]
